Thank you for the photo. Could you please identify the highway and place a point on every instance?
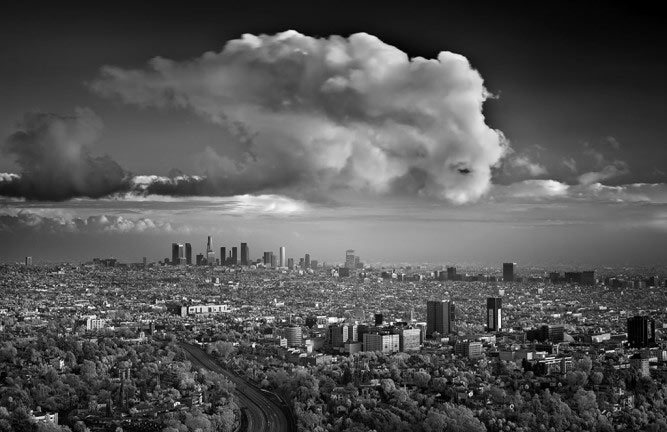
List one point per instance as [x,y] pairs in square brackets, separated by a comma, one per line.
[263,414]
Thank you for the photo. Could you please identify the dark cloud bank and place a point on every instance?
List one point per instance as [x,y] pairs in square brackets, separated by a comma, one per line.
[53,154]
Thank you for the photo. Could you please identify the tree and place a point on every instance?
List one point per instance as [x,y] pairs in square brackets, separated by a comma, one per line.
[585,364]
[8,353]
[422,379]
[453,418]
[88,370]
[221,348]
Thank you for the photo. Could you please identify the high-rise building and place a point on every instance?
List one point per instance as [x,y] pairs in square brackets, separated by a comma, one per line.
[223,255]
[313,264]
[177,253]
[588,278]
[640,362]
[293,336]
[439,317]
[451,273]
[467,348]
[267,258]
[210,254]
[494,313]
[409,339]
[235,255]
[210,258]
[188,254]
[28,261]
[274,261]
[306,261]
[385,343]
[641,332]
[200,259]
[349,259]
[508,272]
[290,263]
[245,253]
[174,253]
[378,319]
[282,262]
[341,333]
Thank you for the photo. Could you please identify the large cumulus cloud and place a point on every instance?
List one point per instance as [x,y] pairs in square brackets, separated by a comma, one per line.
[320,114]
[53,153]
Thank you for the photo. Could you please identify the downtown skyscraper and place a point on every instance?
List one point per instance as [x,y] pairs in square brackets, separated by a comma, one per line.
[283,260]
[508,272]
[210,254]
[350,262]
[494,313]
[188,254]
[245,254]
[177,253]
[439,317]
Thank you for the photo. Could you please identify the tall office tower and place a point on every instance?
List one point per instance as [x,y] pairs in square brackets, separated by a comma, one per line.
[28,261]
[306,261]
[245,252]
[301,262]
[409,339]
[508,272]
[188,254]
[357,262]
[641,332]
[439,317]
[274,262]
[349,259]
[293,336]
[210,255]
[451,273]
[200,259]
[235,255]
[282,262]
[588,277]
[313,264]
[267,258]
[494,307]
[144,261]
[290,263]
[223,255]
[210,258]
[181,253]
[174,254]
[177,253]
[379,319]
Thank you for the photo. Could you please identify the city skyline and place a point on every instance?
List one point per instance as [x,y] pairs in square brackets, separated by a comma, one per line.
[333,217]
[359,142]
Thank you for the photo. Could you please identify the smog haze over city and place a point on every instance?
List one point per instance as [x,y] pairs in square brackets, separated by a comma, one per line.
[414,134]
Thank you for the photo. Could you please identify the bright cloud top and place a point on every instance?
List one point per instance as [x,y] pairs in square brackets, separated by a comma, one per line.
[319,114]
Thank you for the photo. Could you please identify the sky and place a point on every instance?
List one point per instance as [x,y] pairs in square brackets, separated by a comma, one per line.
[452,133]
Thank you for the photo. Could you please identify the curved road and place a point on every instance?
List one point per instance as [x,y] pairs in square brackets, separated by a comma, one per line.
[262,413]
